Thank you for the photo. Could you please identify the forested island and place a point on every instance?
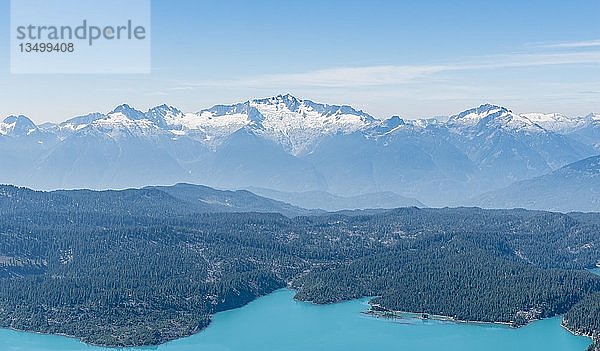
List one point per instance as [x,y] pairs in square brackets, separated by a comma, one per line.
[142,267]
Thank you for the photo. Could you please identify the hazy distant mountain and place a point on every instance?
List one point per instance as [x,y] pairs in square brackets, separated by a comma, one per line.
[294,145]
[230,201]
[329,202]
[575,187]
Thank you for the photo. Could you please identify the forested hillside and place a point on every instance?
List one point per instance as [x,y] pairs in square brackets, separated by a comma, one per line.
[141,270]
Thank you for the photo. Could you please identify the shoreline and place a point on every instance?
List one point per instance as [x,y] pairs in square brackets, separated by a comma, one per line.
[434,317]
[141,346]
[578,333]
[111,347]
[384,314]
[72,337]
[575,332]
[393,314]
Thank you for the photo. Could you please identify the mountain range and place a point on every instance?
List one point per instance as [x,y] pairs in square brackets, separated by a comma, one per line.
[291,145]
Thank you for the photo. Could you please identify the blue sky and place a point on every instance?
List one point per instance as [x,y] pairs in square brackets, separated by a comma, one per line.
[409,58]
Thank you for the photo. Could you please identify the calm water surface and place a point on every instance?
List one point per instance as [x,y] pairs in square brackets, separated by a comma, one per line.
[278,323]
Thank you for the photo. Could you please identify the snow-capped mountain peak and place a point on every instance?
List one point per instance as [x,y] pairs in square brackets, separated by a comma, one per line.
[494,116]
[386,127]
[299,125]
[286,101]
[160,114]
[164,110]
[17,126]
[393,122]
[289,103]
[129,112]
[475,115]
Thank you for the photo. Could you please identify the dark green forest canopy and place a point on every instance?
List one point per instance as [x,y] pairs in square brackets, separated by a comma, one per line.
[141,268]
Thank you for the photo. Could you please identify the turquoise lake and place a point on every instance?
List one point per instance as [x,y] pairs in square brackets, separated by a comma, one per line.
[278,323]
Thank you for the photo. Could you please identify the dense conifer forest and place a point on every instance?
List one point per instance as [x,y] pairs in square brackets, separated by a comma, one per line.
[142,267]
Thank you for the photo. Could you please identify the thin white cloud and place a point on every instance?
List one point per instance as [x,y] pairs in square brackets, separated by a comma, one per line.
[573,44]
[332,77]
[349,77]
[533,60]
